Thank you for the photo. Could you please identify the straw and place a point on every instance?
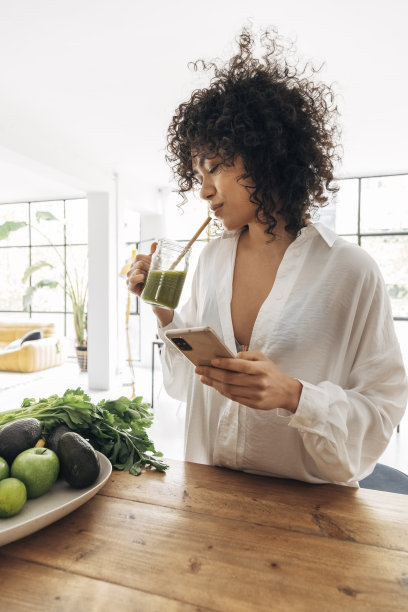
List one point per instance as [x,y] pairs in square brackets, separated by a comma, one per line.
[188,245]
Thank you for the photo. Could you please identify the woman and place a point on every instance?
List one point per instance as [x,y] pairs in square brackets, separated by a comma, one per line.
[321,387]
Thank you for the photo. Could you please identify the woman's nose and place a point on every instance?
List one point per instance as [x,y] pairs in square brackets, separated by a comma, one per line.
[207,190]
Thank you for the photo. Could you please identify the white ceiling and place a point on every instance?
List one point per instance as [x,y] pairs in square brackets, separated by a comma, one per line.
[88,87]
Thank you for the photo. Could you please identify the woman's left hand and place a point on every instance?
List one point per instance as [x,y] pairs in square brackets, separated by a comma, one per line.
[254,380]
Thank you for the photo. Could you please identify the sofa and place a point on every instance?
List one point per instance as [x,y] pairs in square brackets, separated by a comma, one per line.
[32,355]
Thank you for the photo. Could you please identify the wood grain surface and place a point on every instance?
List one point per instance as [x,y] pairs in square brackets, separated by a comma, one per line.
[206,538]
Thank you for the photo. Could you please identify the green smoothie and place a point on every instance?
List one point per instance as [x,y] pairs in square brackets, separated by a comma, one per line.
[164,287]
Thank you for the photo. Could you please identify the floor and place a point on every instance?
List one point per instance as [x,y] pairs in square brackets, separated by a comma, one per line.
[167,431]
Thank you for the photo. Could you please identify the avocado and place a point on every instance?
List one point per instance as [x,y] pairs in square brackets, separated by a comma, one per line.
[79,462]
[16,437]
[54,437]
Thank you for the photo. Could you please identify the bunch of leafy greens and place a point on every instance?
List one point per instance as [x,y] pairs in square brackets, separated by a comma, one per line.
[116,428]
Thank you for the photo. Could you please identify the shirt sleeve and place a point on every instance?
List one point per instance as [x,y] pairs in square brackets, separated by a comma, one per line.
[345,430]
[177,370]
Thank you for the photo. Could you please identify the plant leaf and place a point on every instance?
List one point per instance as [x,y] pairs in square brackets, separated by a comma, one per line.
[10,226]
[47,283]
[31,269]
[45,215]
[28,296]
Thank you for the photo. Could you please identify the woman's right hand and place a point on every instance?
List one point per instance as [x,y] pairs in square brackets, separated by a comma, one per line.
[136,277]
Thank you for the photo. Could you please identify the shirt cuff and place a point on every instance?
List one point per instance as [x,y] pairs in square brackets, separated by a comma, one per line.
[176,323]
[312,410]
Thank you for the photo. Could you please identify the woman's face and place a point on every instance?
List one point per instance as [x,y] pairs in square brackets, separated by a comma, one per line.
[228,198]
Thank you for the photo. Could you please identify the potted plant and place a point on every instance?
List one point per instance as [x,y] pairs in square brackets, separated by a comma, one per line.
[75,288]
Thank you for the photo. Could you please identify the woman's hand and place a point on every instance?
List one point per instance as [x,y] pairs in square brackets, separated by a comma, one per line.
[136,277]
[252,380]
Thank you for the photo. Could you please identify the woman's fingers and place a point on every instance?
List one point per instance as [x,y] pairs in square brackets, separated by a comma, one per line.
[248,362]
[224,376]
[142,262]
[136,277]
[230,390]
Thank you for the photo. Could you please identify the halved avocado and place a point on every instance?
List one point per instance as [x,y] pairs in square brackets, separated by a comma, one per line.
[16,437]
[79,462]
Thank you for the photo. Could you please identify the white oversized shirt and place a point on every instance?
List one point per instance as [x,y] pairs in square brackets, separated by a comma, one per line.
[327,322]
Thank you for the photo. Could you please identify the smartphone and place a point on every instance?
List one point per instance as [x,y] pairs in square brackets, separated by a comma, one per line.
[199,344]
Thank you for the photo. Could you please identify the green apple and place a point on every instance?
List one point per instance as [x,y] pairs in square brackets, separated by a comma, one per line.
[13,496]
[37,468]
[4,469]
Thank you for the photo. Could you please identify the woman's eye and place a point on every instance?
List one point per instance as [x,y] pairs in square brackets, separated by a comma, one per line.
[213,169]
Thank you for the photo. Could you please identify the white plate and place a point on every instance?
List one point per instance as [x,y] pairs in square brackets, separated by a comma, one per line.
[60,501]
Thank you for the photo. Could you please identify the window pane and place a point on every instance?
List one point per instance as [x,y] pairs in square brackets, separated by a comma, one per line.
[76,216]
[16,316]
[384,204]
[45,298]
[352,239]
[15,212]
[13,262]
[391,254]
[43,230]
[327,215]
[346,203]
[77,270]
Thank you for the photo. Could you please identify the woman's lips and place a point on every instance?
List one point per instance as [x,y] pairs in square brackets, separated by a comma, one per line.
[215,209]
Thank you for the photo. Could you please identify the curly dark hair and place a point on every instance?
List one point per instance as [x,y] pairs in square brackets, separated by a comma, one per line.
[279,121]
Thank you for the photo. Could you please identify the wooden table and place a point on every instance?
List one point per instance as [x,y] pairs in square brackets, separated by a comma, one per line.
[207,538]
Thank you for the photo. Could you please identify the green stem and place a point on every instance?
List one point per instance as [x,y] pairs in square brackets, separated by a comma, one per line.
[58,253]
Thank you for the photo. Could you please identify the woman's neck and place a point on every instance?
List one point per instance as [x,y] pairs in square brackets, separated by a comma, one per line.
[256,239]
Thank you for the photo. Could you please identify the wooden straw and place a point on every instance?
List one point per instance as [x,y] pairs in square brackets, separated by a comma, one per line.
[188,245]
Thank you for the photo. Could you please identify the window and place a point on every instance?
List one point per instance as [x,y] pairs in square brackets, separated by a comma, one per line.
[54,232]
[373,212]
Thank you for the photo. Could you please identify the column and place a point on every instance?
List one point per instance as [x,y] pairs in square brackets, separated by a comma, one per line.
[102,293]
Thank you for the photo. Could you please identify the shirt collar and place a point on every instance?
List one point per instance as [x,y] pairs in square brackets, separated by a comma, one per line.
[326,233]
